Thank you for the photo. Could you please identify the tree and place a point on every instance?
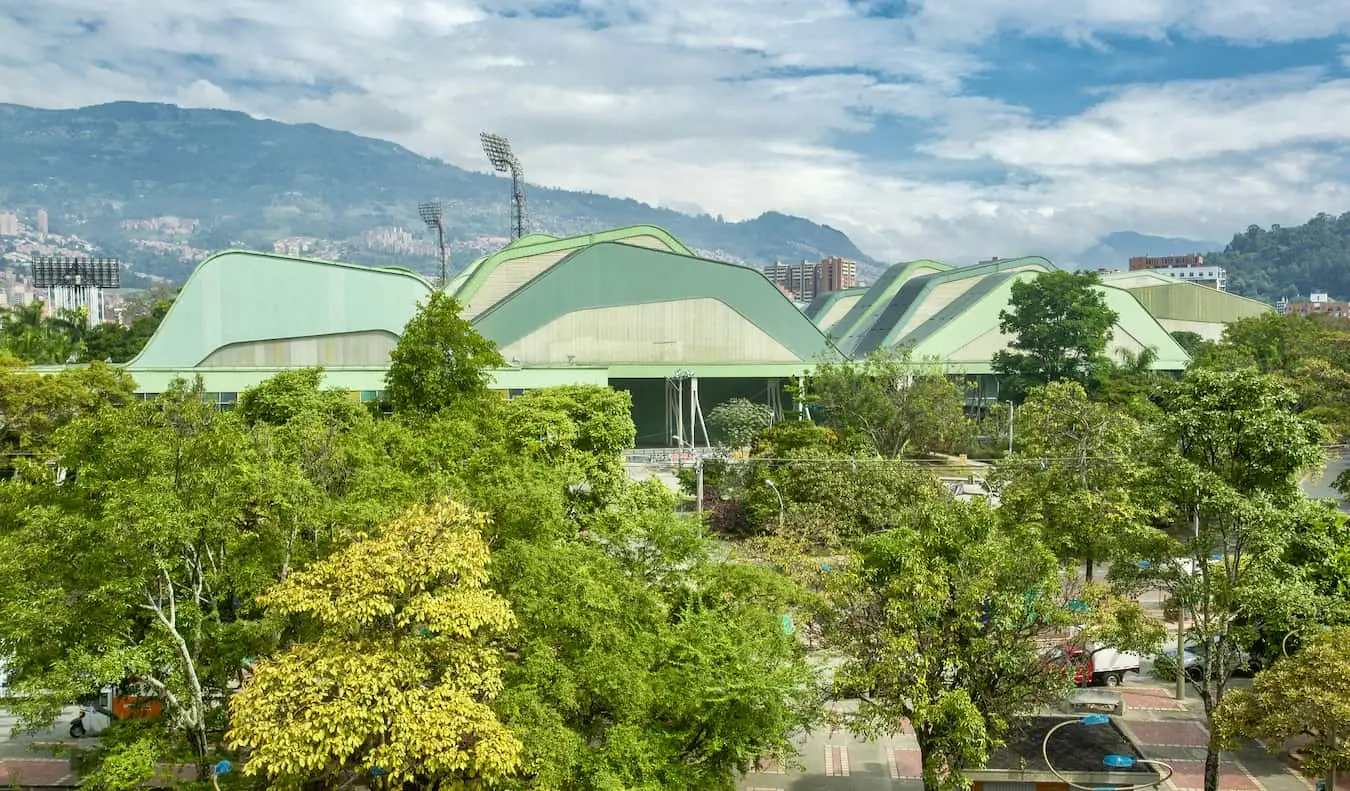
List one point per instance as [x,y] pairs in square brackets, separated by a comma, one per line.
[118,343]
[1061,325]
[1076,474]
[890,403]
[401,662]
[641,661]
[738,421]
[33,406]
[1227,473]
[134,546]
[585,427]
[440,360]
[938,622]
[1190,342]
[28,334]
[1307,693]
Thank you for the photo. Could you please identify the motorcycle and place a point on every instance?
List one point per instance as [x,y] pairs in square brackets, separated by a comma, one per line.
[77,726]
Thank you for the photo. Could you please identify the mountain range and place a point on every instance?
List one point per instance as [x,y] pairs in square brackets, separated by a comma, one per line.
[249,182]
[160,186]
[1114,250]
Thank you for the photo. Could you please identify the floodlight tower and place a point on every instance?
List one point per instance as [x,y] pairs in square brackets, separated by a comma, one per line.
[498,150]
[431,215]
[76,285]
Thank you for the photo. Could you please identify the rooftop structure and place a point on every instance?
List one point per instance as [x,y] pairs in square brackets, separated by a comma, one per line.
[629,307]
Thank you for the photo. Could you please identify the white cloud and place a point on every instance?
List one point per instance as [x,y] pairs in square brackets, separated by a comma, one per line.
[721,105]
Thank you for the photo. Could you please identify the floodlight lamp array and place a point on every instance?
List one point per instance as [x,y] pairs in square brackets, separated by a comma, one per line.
[54,271]
[498,150]
[430,213]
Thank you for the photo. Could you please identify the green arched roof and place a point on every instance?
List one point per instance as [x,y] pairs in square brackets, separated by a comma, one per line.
[883,326]
[467,283]
[947,335]
[611,274]
[238,297]
[821,304]
[881,292]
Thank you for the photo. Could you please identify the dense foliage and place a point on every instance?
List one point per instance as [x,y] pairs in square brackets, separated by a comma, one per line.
[28,334]
[1289,262]
[1060,326]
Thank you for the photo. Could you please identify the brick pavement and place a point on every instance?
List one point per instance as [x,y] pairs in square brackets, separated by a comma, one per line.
[1233,776]
[1168,733]
[54,772]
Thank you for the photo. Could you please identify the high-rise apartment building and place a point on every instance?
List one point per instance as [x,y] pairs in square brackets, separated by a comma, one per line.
[9,224]
[1190,268]
[807,280]
[835,274]
[799,279]
[42,222]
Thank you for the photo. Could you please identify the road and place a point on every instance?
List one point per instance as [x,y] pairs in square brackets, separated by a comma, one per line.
[1320,486]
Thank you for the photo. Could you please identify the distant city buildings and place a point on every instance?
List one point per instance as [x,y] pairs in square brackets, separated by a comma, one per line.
[9,224]
[42,222]
[1318,304]
[807,280]
[166,226]
[1191,268]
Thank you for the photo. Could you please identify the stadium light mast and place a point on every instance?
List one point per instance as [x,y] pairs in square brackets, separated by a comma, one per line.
[498,150]
[76,285]
[431,215]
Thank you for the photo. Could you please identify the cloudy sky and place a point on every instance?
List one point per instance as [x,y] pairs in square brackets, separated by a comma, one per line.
[924,128]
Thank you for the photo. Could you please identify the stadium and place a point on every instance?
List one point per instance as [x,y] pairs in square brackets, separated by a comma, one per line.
[631,308]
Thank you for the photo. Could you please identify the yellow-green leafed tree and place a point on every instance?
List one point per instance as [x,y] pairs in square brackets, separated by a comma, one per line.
[396,681]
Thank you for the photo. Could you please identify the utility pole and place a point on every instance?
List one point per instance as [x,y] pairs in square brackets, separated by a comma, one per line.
[1181,615]
[698,478]
[1011,410]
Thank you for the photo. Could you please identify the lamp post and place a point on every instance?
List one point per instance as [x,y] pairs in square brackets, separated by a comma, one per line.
[1011,409]
[781,508]
[1110,761]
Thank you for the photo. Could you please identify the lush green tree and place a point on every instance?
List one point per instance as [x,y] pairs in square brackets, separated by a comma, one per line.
[1228,476]
[738,421]
[889,402]
[440,360]
[1288,261]
[586,427]
[395,678]
[33,406]
[939,623]
[1307,693]
[1310,353]
[35,338]
[119,343]
[134,557]
[1189,341]
[642,661]
[1061,325]
[1077,473]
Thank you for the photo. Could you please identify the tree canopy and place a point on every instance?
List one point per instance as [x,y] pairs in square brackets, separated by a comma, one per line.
[1061,325]
[1289,261]
[397,668]
[439,360]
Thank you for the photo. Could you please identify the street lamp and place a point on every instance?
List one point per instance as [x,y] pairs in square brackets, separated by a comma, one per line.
[503,160]
[781,508]
[1110,761]
[431,215]
[1011,409]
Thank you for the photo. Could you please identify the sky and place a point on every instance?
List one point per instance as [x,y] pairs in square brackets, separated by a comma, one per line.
[951,129]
